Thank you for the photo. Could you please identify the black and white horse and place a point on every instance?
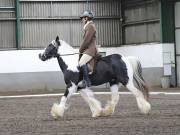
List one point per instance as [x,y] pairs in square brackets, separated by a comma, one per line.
[113,69]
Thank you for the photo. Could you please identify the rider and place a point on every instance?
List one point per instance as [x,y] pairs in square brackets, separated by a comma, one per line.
[88,47]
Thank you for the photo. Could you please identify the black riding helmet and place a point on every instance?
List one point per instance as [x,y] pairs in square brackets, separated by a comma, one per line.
[88,14]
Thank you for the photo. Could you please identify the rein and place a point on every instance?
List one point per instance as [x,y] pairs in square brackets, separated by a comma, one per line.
[68,54]
[71,54]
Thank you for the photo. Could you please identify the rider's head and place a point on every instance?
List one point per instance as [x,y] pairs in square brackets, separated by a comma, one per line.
[86,16]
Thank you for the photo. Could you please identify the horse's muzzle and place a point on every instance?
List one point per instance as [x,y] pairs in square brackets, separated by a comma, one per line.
[42,57]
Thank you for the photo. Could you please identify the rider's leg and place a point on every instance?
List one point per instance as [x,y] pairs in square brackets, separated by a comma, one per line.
[83,64]
[86,75]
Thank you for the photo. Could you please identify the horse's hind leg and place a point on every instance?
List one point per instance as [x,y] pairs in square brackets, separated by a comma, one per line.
[110,106]
[143,104]
[94,104]
[132,70]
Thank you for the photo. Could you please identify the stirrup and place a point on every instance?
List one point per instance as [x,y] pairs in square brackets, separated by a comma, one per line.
[84,85]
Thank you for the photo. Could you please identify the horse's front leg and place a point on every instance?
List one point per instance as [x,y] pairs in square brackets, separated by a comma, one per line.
[94,104]
[57,110]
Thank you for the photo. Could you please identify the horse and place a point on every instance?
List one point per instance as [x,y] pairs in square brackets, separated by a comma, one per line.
[114,69]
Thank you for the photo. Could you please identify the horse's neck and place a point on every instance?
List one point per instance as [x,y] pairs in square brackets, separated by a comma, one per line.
[62,64]
[66,52]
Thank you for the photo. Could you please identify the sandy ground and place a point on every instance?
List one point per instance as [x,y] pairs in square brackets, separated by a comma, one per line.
[31,116]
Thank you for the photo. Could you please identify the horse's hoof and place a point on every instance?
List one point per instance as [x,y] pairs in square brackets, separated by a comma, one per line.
[97,114]
[108,110]
[53,114]
[143,105]
[106,113]
[57,111]
[147,108]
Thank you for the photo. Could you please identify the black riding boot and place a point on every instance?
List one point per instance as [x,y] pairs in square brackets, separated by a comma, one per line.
[86,80]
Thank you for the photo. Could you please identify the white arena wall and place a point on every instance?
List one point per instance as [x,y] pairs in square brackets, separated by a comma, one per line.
[22,69]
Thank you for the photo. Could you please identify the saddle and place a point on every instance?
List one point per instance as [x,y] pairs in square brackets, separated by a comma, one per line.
[91,64]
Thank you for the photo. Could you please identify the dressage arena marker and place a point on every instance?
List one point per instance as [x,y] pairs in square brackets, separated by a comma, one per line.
[96,93]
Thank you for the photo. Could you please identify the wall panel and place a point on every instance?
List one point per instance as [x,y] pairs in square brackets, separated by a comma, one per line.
[38,34]
[142,33]
[42,21]
[142,22]
[7,3]
[7,34]
[7,24]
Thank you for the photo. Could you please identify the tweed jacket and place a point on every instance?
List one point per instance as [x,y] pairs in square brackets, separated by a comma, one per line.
[88,45]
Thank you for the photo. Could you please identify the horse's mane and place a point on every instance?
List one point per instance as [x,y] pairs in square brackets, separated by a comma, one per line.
[68,55]
[65,48]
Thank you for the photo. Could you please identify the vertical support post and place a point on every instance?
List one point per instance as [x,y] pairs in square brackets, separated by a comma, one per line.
[123,41]
[18,39]
[167,24]
[87,4]
[167,21]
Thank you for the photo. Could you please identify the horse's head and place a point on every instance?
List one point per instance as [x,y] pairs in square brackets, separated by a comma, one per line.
[51,50]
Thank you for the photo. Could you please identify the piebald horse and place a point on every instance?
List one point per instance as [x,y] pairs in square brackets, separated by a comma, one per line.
[114,69]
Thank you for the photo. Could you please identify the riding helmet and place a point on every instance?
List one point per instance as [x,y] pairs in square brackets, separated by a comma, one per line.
[87,13]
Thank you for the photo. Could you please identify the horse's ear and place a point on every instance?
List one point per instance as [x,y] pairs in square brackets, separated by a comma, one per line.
[57,40]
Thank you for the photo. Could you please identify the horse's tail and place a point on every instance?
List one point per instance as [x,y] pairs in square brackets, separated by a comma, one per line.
[137,76]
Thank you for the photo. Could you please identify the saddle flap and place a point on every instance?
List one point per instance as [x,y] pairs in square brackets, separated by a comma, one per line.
[91,64]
